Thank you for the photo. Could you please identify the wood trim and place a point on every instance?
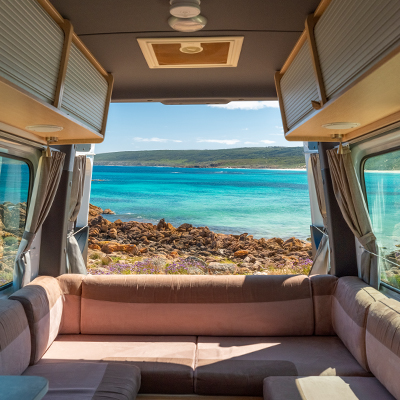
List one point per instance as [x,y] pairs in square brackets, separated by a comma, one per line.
[78,42]
[310,24]
[278,77]
[68,33]
[294,52]
[110,80]
[51,10]
[323,5]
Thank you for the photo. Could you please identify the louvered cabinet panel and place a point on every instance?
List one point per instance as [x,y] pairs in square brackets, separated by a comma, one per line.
[31,45]
[85,91]
[352,34]
[299,87]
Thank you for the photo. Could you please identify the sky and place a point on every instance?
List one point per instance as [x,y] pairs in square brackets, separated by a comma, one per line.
[154,126]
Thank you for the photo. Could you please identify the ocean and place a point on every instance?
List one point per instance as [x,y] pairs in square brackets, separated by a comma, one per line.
[262,203]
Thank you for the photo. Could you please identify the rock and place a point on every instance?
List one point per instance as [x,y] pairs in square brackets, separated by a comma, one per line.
[106,260]
[261,273]
[174,254]
[94,247]
[108,211]
[107,248]
[196,260]
[161,225]
[131,249]
[193,270]
[112,233]
[169,227]
[241,253]
[185,227]
[216,268]
[144,250]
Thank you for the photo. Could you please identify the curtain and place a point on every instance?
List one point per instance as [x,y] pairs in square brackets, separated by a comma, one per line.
[45,186]
[321,262]
[75,261]
[351,201]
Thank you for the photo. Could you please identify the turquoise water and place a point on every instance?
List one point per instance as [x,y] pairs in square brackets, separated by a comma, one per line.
[263,203]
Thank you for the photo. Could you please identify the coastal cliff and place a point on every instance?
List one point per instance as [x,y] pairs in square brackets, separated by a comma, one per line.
[136,247]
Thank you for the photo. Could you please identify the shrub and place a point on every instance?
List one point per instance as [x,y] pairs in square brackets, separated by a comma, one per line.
[10,240]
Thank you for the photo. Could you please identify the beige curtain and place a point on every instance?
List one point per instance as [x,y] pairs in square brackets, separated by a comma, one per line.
[351,201]
[321,262]
[75,261]
[45,186]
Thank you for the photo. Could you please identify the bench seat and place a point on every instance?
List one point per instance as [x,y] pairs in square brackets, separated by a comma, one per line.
[324,388]
[238,365]
[166,362]
[94,381]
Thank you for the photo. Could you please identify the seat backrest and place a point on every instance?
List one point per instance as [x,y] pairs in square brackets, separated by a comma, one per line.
[323,290]
[42,301]
[350,305]
[71,288]
[383,343]
[197,305]
[15,340]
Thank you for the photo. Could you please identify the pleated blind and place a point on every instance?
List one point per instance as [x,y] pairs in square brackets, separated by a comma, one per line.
[85,90]
[298,87]
[31,45]
[353,33]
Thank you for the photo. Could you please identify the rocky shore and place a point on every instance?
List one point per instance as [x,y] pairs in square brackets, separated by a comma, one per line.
[136,247]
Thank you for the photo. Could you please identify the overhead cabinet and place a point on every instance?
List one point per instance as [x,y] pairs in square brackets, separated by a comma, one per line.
[354,47]
[48,77]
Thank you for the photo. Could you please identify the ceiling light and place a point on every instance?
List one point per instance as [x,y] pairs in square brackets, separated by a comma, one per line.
[187,24]
[191,48]
[341,125]
[185,8]
[44,128]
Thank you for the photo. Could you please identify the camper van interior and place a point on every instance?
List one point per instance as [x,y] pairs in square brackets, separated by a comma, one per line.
[334,66]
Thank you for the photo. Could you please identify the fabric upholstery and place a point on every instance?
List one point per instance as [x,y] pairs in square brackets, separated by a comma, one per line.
[94,381]
[197,305]
[324,388]
[71,288]
[43,305]
[323,289]
[383,343]
[350,307]
[351,201]
[166,363]
[237,366]
[15,340]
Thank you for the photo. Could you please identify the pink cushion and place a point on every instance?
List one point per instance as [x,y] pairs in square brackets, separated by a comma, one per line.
[350,306]
[15,339]
[383,343]
[43,304]
[197,305]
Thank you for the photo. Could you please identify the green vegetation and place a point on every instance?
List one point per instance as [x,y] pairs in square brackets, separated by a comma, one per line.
[384,162]
[248,157]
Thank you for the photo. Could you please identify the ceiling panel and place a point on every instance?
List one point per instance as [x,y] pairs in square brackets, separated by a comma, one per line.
[110,29]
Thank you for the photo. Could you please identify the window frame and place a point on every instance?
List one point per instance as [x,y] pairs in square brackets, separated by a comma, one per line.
[388,288]
[28,201]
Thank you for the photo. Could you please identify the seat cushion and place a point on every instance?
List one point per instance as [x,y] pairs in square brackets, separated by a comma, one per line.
[166,362]
[350,306]
[228,305]
[323,289]
[15,339]
[383,343]
[42,300]
[84,381]
[71,288]
[237,366]
[324,388]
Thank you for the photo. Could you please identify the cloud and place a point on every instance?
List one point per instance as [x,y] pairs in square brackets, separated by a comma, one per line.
[227,141]
[251,142]
[267,141]
[279,127]
[155,139]
[247,105]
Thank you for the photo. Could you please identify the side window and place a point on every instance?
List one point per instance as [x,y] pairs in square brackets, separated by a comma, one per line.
[14,191]
[382,184]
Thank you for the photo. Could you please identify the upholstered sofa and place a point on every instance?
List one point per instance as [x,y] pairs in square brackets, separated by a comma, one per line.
[294,337]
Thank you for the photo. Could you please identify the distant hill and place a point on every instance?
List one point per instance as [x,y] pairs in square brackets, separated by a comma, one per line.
[248,157]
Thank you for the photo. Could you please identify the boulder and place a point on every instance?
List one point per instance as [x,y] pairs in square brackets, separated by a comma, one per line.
[161,225]
[241,253]
[94,247]
[216,268]
[108,211]
[112,233]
